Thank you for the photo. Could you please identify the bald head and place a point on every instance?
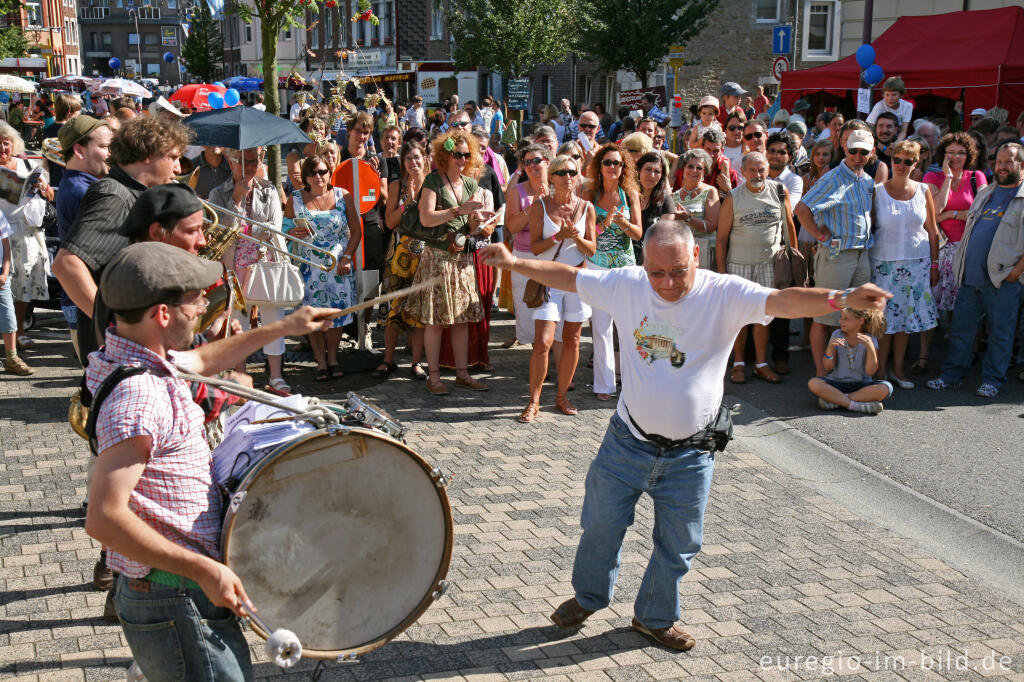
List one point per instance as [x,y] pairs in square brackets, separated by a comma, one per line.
[668,233]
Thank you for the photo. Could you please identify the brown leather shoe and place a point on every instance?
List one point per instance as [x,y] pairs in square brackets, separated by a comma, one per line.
[17,366]
[109,612]
[782,367]
[437,389]
[102,577]
[472,384]
[766,374]
[737,374]
[570,614]
[673,636]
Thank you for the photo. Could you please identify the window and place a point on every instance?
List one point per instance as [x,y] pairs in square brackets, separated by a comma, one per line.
[248,33]
[153,69]
[546,89]
[149,13]
[766,11]
[94,12]
[33,14]
[133,38]
[386,15]
[437,20]
[286,34]
[150,39]
[94,42]
[821,35]
[107,41]
[172,4]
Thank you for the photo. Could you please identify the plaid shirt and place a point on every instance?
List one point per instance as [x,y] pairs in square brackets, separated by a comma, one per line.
[176,495]
[841,201]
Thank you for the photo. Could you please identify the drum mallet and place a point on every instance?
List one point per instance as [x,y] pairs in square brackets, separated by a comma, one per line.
[283,647]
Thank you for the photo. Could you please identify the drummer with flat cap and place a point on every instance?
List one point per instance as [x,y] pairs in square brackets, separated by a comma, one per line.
[153,502]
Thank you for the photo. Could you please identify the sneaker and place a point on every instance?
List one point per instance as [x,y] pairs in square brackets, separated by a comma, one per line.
[673,636]
[869,407]
[905,384]
[987,390]
[940,384]
[826,405]
[17,366]
[570,614]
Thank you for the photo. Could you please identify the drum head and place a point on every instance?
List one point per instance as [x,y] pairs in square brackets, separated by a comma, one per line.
[341,538]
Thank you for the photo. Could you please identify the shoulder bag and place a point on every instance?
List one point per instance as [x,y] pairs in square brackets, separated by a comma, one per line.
[274,284]
[411,226]
[536,294]
[790,266]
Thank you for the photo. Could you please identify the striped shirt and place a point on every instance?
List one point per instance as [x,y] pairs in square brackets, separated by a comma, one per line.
[841,201]
[175,495]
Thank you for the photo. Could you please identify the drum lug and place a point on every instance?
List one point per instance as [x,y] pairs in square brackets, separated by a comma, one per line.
[442,589]
[348,657]
[236,501]
[439,478]
[335,429]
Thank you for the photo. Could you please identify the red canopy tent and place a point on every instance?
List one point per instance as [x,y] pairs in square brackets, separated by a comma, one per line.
[977,55]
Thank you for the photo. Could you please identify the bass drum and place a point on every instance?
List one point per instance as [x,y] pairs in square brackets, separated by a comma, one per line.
[343,536]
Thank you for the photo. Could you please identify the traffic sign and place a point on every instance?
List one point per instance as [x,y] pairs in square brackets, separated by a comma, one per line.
[779,67]
[782,39]
[676,51]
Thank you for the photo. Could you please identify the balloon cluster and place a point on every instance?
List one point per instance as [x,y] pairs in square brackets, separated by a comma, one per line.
[873,73]
[230,98]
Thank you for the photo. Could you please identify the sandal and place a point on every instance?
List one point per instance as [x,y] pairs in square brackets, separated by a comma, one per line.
[323,374]
[920,366]
[280,386]
[511,343]
[334,372]
[528,414]
[384,370]
[417,371]
[565,407]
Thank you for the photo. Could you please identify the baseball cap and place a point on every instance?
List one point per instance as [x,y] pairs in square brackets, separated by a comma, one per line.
[141,275]
[163,104]
[979,112]
[860,139]
[76,130]
[732,88]
[173,201]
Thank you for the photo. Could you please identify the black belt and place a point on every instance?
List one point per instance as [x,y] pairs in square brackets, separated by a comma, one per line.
[702,440]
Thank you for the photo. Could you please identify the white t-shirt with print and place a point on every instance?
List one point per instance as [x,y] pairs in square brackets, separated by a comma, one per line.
[673,355]
[904,111]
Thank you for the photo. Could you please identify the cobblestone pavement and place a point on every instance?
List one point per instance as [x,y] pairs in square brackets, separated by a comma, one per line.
[784,572]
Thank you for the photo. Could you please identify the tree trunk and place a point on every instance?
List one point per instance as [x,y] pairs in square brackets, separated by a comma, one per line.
[269,37]
[644,77]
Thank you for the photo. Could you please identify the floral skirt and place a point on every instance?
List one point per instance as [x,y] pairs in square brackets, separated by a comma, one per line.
[402,260]
[454,299]
[29,263]
[911,308]
[945,291]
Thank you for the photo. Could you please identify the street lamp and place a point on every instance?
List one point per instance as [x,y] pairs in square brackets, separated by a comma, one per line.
[138,38]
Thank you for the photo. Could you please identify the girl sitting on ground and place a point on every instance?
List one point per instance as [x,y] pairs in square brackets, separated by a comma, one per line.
[851,358]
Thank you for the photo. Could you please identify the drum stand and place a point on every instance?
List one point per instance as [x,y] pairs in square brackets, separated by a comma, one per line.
[321,667]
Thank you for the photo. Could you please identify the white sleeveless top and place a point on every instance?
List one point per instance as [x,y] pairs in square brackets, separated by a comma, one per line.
[570,253]
[899,226]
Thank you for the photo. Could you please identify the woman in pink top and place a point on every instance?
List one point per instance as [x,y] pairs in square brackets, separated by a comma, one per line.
[953,190]
[533,163]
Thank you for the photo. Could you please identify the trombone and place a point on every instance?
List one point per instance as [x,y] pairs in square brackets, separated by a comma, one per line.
[220,237]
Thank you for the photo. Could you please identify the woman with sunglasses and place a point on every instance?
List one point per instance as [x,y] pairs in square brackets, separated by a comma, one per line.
[613,190]
[447,199]
[533,163]
[561,230]
[697,204]
[327,217]
[904,259]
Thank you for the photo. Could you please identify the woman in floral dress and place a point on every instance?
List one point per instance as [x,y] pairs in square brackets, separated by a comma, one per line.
[327,217]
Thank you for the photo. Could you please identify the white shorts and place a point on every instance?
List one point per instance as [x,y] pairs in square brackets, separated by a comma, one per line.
[562,306]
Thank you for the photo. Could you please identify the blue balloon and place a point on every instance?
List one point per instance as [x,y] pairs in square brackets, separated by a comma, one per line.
[168,57]
[215,100]
[865,56]
[231,97]
[219,84]
[114,63]
[873,75]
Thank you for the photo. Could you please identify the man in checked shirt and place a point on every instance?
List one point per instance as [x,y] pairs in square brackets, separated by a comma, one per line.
[153,501]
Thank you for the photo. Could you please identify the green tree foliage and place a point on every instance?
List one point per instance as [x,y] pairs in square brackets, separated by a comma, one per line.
[635,35]
[511,36]
[13,42]
[203,50]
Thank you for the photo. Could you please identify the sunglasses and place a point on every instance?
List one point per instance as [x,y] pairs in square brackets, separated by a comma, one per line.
[461,155]
[751,136]
[678,273]
[897,161]
[587,126]
[735,128]
[322,172]
[611,163]
[857,152]
[459,124]
[535,161]
[565,171]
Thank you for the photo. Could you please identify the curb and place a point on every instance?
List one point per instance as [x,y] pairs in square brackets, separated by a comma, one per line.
[974,549]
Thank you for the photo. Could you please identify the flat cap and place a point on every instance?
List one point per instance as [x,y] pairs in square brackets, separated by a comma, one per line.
[173,201]
[76,130]
[140,275]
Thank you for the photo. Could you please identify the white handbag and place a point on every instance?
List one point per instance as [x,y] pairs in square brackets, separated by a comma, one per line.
[273,283]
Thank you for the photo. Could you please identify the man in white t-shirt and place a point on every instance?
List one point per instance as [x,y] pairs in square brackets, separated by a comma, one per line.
[676,326]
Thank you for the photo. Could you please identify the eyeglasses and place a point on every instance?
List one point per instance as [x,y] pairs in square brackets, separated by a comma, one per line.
[751,136]
[587,126]
[857,152]
[535,161]
[200,304]
[898,161]
[459,124]
[461,155]
[566,171]
[677,273]
[321,172]
[735,128]
[776,150]
[611,163]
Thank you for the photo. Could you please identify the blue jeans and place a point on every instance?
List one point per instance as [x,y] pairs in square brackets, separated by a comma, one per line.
[678,481]
[175,633]
[973,303]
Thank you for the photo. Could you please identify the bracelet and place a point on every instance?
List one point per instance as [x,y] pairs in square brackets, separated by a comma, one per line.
[345,255]
[844,294]
[832,299]
[829,357]
[515,259]
[823,239]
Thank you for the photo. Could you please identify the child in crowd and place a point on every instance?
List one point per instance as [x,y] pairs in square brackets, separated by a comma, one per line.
[8,323]
[708,112]
[851,357]
[892,92]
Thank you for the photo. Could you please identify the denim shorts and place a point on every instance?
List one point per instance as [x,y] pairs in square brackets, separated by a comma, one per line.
[71,315]
[8,322]
[176,633]
[849,387]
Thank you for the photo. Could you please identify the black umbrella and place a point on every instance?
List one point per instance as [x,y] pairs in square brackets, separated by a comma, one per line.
[243,128]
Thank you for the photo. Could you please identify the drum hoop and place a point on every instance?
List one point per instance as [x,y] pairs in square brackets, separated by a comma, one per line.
[439,576]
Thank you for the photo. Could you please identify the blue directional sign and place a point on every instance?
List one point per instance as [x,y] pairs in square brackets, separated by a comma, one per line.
[782,39]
